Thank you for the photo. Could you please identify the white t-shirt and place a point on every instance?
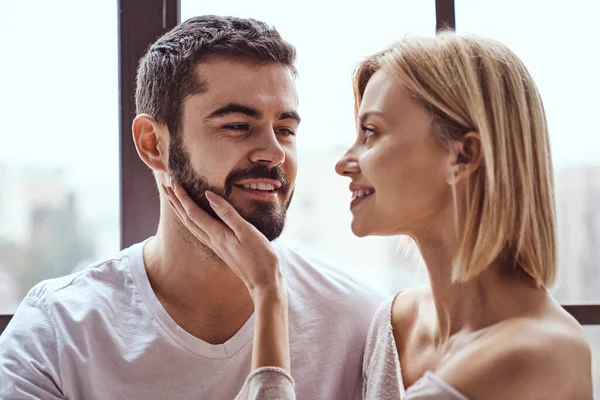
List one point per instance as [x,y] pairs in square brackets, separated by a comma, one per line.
[102,334]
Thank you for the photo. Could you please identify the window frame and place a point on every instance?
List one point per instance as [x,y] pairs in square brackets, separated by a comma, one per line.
[141,22]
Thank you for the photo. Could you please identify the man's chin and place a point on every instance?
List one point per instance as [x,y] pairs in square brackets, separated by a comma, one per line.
[270,224]
[263,217]
[266,216]
[249,207]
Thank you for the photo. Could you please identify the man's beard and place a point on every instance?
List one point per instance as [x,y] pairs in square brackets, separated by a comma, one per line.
[267,217]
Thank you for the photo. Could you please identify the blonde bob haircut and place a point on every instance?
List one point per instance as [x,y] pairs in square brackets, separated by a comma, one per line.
[471,84]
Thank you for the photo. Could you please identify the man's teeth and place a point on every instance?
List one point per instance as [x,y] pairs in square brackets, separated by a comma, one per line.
[259,186]
[361,193]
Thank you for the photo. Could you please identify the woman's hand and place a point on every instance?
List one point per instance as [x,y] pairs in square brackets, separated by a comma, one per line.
[250,255]
[237,242]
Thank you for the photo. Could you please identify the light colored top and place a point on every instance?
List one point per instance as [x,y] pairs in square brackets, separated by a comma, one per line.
[268,383]
[102,334]
[383,374]
[381,370]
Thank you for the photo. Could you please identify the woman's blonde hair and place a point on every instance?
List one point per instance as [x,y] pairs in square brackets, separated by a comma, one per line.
[471,84]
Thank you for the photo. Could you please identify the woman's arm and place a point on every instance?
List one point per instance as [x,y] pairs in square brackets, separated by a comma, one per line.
[270,377]
[271,339]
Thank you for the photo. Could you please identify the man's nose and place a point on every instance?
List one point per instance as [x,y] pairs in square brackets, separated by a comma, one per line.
[268,150]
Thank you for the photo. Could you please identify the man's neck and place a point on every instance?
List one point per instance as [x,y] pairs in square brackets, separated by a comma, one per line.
[198,290]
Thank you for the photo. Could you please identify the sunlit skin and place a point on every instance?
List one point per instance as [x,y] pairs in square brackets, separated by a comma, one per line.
[245,120]
[238,144]
[475,335]
[395,155]
[496,336]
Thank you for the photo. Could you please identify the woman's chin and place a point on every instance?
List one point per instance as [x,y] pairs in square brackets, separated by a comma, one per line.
[362,228]
[359,230]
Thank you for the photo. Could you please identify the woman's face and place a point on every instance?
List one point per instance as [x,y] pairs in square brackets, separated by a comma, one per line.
[399,170]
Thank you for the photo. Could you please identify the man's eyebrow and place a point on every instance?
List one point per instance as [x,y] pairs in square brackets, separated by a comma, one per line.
[234,108]
[290,115]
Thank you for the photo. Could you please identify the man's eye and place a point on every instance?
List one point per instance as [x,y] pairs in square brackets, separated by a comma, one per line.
[237,127]
[286,131]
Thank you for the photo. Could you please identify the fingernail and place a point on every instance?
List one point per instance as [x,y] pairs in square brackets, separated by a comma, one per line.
[212,198]
[170,183]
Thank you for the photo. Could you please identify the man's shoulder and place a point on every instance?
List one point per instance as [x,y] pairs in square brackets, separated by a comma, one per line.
[324,278]
[59,305]
[98,281]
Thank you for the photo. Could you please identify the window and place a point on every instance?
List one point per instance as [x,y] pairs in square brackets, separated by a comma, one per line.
[58,210]
[593,334]
[59,158]
[331,38]
[558,51]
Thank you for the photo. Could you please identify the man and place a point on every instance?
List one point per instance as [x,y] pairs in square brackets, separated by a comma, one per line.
[166,318]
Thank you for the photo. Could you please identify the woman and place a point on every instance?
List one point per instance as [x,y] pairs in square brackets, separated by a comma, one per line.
[452,150]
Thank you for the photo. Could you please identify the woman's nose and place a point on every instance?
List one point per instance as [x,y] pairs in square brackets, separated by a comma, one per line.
[348,164]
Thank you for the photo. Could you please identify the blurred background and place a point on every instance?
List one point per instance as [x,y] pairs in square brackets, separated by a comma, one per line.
[59,108]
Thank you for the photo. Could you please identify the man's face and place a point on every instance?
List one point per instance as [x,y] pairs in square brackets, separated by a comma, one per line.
[238,140]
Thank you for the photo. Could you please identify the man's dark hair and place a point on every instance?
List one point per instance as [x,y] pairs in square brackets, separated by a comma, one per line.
[166,74]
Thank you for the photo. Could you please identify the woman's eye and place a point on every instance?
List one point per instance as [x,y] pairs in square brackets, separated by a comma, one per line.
[369,133]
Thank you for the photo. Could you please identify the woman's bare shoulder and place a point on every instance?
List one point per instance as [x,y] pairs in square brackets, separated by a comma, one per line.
[525,358]
[406,306]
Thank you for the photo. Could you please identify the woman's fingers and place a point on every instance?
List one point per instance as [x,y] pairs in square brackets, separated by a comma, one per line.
[178,207]
[238,243]
[195,213]
[230,216]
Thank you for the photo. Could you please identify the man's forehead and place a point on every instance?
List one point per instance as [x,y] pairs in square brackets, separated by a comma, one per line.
[264,88]
[230,70]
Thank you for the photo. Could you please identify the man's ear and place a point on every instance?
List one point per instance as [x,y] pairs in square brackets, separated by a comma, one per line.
[467,157]
[151,142]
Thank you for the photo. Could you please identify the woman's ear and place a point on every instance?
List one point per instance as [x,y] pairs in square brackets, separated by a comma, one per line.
[467,156]
[151,142]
